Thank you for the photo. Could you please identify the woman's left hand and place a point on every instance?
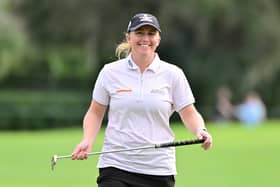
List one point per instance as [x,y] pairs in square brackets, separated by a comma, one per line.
[203,134]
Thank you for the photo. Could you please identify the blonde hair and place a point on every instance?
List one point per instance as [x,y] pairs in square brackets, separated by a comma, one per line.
[123,50]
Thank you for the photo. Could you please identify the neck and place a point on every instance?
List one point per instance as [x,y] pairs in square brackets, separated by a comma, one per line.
[143,61]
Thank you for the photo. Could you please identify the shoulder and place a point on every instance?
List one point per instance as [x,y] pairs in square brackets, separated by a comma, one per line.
[170,68]
[173,73]
[113,70]
[115,65]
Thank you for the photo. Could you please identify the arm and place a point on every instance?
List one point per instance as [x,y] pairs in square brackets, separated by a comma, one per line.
[194,122]
[91,125]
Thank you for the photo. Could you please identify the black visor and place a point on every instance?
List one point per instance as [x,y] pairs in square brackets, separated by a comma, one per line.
[142,19]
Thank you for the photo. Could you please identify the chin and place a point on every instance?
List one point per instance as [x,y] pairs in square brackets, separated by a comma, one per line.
[145,51]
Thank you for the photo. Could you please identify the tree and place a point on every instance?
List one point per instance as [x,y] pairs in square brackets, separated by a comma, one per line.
[216,42]
[224,42]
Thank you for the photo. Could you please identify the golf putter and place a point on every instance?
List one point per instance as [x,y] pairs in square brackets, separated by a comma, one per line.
[53,161]
[154,146]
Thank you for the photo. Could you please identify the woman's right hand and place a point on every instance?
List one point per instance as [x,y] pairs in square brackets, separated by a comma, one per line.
[91,125]
[81,151]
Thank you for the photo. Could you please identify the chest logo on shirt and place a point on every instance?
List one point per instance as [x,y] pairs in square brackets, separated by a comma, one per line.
[159,91]
[123,90]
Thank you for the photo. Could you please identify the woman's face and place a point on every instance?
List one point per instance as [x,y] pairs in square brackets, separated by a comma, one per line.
[144,40]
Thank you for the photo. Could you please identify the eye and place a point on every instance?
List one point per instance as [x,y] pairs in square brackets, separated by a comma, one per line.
[152,33]
[139,32]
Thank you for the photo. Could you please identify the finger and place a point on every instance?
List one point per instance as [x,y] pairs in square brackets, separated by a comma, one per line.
[74,156]
[199,136]
[208,143]
[82,155]
[76,152]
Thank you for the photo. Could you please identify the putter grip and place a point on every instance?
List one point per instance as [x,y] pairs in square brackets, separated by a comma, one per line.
[180,143]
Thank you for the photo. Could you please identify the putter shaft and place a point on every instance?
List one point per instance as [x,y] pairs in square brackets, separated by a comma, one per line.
[155,146]
[112,151]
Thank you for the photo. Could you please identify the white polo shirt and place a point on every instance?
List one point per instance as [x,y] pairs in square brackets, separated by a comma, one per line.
[140,106]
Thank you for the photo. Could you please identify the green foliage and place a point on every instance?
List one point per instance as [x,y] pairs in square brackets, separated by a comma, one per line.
[224,42]
[216,42]
[68,63]
[12,43]
[39,110]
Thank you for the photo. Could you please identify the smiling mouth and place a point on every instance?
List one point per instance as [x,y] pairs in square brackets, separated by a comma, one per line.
[144,45]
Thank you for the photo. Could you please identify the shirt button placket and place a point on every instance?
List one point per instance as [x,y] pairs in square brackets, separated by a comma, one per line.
[140,94]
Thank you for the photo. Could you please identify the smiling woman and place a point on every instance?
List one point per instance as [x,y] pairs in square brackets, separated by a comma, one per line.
[143,42]
[142,93]
[141,26]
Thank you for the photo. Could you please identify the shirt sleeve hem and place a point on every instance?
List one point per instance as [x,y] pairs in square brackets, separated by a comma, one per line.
[100,101]
[180,107]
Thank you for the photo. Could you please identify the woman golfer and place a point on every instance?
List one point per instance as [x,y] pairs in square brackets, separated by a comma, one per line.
[141,92]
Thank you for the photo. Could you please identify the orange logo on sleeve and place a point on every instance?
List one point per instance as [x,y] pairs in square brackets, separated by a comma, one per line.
[123,90]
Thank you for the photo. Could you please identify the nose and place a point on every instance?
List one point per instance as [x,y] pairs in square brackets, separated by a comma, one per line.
[145,37]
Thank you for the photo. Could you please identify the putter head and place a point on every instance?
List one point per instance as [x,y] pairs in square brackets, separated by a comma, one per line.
[53,161]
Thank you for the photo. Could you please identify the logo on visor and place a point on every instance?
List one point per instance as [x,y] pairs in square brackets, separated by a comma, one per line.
[146,17]
[129,24]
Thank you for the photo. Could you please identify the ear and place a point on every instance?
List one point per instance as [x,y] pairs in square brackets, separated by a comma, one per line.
[127,37]
[159,39]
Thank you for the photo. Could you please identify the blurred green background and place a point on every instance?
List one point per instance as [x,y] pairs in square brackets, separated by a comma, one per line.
[50,55]
[51,52]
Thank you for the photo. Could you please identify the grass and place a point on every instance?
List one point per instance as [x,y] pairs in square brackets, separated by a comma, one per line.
[244,157]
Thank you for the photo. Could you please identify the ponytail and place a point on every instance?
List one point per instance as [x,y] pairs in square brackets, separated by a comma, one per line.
[123,50]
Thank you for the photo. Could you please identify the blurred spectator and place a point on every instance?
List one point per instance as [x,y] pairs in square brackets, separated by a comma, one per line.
[252,111]
[224,107]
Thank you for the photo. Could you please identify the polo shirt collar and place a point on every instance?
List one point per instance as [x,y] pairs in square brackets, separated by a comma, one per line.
[154,66]
[130,63]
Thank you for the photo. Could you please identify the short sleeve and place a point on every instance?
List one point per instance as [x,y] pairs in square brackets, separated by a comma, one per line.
[182,93]
[100,94]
